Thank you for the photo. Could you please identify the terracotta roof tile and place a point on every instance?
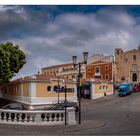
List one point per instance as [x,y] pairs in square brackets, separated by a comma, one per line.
[38,77]
[58,66]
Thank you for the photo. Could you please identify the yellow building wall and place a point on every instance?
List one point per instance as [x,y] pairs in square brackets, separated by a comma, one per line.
[99,88]
[41,89]
[20,89]
[17,91]
[26,89]
[14,90]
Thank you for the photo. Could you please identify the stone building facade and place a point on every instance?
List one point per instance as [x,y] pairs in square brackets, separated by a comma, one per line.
[127,65]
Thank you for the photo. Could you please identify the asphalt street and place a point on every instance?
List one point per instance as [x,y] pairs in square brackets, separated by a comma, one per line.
[110,115]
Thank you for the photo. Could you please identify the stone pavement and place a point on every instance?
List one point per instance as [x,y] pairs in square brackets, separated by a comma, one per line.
[85,126]
[95,121]
[19,130]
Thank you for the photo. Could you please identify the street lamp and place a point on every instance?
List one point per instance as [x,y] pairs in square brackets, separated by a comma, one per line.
[113,69]
[58,88]
[65,90]
[79,64]
[85,54]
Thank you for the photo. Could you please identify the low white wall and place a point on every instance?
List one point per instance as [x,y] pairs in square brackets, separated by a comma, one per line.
[38,117]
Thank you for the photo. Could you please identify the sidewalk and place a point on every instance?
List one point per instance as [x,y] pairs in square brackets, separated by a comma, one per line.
[84,126]
[32,130]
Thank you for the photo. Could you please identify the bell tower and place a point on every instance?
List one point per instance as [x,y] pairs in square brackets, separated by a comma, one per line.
[118,53]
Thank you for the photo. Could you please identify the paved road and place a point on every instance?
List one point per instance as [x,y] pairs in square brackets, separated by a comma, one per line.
[111,115]
[121,115]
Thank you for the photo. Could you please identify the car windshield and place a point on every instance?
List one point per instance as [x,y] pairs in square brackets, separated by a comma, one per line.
[14,106]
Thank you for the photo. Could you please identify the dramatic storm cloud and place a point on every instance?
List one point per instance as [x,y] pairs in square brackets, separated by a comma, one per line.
[51,35]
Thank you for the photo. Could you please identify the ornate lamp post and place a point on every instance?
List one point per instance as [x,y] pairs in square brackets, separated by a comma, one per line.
[65,90]
[113,70]
[58,89]
[79,64]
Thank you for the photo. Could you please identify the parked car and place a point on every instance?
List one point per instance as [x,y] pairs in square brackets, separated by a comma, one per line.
[15,106]
[61,106]
[136,87]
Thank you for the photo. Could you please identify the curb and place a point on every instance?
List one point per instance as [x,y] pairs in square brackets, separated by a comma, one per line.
[90,124]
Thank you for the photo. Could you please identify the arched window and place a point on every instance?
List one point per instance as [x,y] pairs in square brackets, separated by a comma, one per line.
[134,77]
[49,88]
[62,89]
[55,88]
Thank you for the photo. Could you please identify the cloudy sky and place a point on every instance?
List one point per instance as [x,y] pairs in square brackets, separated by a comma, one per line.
[51,35]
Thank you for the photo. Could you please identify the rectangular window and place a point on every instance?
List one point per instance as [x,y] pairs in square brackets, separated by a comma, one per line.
[97,70]
[106,76]
[89,76]
[103,87]
[134,57]
[89,69]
